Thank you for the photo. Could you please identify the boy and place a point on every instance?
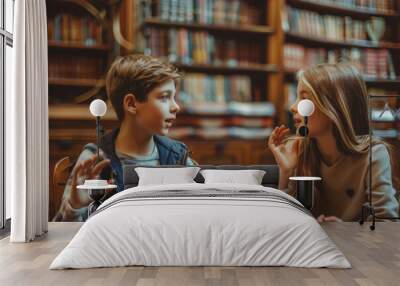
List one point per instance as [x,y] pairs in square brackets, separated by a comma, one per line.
[142,92]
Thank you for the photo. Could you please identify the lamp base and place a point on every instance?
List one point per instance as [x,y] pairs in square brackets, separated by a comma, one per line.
[367,210]
[96,195]
[305,190]
[97,191]
[93,207]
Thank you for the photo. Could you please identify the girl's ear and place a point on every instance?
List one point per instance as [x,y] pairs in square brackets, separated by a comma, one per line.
[129,103]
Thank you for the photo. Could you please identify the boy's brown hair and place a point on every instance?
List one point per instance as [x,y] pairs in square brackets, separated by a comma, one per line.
[138,75]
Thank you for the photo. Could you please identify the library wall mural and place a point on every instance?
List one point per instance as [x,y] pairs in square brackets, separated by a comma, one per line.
[194,83]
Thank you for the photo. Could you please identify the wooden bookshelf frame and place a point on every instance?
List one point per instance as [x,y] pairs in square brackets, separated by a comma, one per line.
[77,46]
[274,55]
[220,28]
[225,69]
[79,82]
[337,9]
[376,81]
[304,39]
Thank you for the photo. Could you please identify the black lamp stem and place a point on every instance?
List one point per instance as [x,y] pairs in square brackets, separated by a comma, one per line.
[368,209]
[370,152]
[98,137]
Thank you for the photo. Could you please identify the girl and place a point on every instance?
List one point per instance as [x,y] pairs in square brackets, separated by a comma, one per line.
[336,148]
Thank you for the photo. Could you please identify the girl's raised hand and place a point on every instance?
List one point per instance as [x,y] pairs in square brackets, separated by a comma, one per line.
[285,153]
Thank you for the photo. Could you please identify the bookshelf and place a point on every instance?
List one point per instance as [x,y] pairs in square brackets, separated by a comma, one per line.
[218,133]
[329,31]
[223,47]
[79,49]
[234,47]
[79,52]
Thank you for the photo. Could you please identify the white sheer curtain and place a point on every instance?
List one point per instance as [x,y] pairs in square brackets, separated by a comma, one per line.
[27,124]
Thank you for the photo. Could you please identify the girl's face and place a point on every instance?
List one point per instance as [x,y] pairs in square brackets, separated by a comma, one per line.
[318,123]
[158,112]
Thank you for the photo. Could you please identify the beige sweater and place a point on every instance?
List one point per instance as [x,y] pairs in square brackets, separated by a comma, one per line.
[344,186]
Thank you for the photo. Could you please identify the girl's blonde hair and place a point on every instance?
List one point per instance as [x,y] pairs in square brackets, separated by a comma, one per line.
[339,92]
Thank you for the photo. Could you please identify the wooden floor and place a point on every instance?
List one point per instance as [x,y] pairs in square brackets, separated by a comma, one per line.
[375,257]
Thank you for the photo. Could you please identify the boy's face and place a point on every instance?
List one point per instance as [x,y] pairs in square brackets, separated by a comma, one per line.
[157,114]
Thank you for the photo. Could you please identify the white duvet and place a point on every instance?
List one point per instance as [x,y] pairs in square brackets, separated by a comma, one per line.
[207,230]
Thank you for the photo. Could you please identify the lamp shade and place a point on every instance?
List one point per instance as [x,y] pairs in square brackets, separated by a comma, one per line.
[98,107]
[305,107]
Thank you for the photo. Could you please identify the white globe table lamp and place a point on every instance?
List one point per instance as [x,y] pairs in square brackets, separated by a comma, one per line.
[98,108]
[96,188]
[305,185]
[305,108]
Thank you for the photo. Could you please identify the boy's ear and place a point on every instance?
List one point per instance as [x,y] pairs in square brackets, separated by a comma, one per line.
[129,103]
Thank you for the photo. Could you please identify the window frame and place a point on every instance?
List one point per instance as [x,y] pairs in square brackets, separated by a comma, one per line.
[6,39]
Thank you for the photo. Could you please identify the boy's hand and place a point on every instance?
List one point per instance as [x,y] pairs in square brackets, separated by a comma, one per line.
[87,169]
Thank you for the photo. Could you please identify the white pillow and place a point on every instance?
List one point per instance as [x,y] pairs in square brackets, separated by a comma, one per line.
[249,177]
[163,176]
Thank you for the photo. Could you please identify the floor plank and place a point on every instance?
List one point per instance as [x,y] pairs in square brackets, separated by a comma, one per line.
[374,255]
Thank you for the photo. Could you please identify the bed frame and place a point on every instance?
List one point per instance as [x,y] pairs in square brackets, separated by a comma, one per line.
[270,179]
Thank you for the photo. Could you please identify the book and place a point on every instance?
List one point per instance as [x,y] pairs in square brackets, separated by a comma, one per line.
[197,88]
[201,47]
[209,11]
[324,26]
[373,63]
[75,29]
[369,5]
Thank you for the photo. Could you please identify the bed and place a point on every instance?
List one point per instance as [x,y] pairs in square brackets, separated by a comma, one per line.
[201,224]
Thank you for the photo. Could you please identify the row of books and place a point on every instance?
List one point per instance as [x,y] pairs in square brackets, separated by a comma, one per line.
[387,133]
[376,63]
[229,120]
[386,128]
[200,88]
[73,28]
[374,5]
[220,132]
[377,104]
[249,109]
[200,47]
[69,67]
[209,11]
[328,27]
